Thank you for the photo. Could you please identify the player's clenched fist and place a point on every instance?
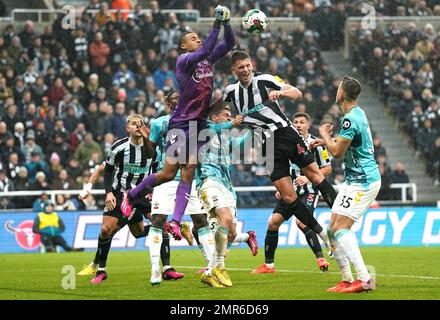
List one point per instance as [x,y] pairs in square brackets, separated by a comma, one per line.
[238,120]
[275,95]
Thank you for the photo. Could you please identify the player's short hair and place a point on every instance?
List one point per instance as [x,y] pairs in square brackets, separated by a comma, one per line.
[133,117]
[351,87]
[239,55]
[302,115]
[169,95]
[182,38]
[217,107]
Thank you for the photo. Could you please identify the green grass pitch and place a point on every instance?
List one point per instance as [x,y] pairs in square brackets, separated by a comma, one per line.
[402,273]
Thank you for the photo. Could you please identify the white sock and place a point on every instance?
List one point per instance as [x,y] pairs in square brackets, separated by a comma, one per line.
[270,265]
[203,253]
[221,243]
[206,239]
[342,261]
[154,243]
[93,265]
[165,268]
[241,237]
[101,269]
[348,242]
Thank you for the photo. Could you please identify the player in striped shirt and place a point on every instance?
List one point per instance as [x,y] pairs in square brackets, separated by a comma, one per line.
[307,193]
[127,162]
[262,93]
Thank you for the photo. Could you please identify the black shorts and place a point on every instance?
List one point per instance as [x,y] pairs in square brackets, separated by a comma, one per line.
[142,206]
[309,199]
[289,145]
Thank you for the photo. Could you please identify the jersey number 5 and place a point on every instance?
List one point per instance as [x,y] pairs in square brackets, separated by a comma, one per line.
[346,202]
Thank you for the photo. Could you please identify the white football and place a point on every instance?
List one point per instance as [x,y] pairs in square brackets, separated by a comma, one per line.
[254,21]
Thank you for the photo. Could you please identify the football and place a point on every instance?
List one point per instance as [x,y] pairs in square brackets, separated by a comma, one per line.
[254,21]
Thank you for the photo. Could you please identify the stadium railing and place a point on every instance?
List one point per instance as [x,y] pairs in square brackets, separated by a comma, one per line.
[46,15]
[383,22]
[52,193]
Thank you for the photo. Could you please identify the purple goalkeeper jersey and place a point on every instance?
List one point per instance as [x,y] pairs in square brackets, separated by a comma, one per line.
[194,72]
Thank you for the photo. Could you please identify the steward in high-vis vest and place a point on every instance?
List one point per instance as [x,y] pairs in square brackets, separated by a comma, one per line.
[50,226]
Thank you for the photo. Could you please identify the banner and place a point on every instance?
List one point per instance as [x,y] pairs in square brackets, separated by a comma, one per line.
[388,226]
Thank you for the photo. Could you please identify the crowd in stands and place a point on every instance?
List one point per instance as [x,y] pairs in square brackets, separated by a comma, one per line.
[402,61]
[65,94]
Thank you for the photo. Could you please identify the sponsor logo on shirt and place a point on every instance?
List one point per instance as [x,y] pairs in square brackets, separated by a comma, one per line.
[199,74]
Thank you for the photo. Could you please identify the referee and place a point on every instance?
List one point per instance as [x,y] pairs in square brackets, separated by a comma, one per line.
[264,90]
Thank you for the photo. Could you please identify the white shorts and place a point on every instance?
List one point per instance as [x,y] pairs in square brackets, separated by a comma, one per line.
[164,200]
[354,199]
[215,195]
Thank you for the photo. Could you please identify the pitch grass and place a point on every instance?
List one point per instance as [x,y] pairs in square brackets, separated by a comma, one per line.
[402,273]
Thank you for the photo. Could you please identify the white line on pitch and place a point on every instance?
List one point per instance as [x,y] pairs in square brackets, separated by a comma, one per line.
[317,272]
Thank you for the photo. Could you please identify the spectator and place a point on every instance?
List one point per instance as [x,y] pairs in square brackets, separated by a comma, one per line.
[85,150]
[123,75]
[426,137]
[2,9]
[11,117]
[6,184]
[5,91]
[40,203]
[63,182]
[116,124]
[11,148]
[4,134]
[108,141]
[40,182]
[22,183]
[55,165]
[77,136]
[56,93]
[74,168]
[99,52]
[65,203]
[13,166]
[161,74]
[28,34]
[30,146]
[50,226]
[93,121]
[398,176]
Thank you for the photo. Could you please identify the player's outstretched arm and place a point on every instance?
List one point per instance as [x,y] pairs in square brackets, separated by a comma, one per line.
[226,44]
[84,194]
[190,59]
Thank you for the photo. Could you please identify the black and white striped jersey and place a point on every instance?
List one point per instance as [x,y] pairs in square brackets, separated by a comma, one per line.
[322,158]
[131,165]
[267,115]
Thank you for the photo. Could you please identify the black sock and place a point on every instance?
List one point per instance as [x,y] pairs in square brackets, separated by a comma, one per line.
[270,245]
[328,192]
[300,210]
[103,249]
[145,232]
[312,240]
[196,236]
[165,250]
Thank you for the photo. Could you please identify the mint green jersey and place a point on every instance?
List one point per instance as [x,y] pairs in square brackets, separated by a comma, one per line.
[216,163]
[360,165]
[158,135]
